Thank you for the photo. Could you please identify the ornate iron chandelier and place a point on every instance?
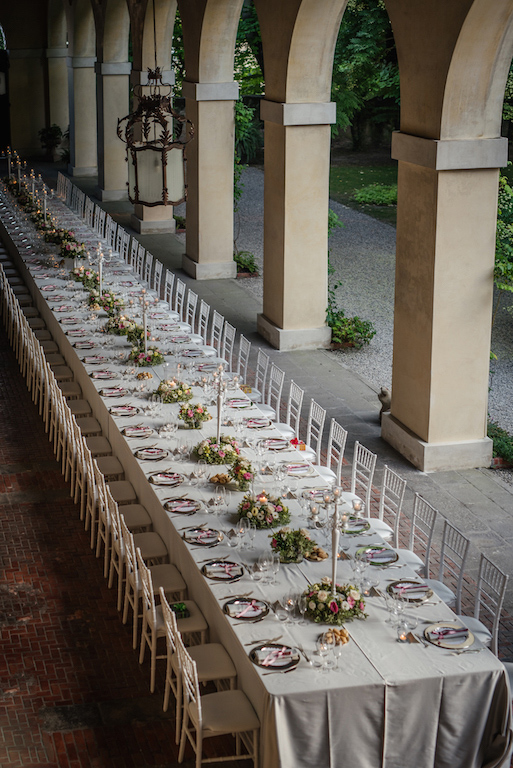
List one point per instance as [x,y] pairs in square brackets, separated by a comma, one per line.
[156,136]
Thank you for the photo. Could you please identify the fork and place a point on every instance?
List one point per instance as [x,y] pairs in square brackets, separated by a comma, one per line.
[271,640]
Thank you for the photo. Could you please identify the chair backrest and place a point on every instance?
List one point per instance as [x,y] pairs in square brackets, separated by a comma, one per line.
[243,358]
[116,537]
[157,277]
[169,282]
[336,447]
[146,270]
[453,556]
[147,589]
[262,366]
[129,549]
[190,308]
[422,529]
[89,212]
[275,388]
[294,405]
[228,344]
[110,231]
[391,500]
[123,244]
[491,589]
[170,624]
[216,331]
[191,691]
[315,428]
[99,221]
[179,302]
[60,184]
[204,314]
[139,259]
[362,473]
[132,258]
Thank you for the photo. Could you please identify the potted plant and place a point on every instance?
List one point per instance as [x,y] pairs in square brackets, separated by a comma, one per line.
[246,266]
[50,139]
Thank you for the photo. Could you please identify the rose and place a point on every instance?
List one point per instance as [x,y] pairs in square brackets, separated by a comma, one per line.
[322,596]
[334,606]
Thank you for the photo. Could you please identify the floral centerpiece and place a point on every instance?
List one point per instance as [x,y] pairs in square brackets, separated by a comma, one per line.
[73,250]
[108,301]
[292,545]
[119,325]
[242,472]
[193,415]
[136,335]
[152,356]
[223,452]
[89,278]
[173,391]
[58,235]
[324,608]
[263,511]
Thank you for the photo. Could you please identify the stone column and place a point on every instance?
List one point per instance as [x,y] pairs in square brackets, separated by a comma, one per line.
[82,126]
[210,157]
[297,161]
[58,86]
[447,211]
[112,95]
[27,99]
[157,219]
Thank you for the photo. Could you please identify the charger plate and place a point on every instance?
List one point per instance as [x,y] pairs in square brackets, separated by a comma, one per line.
[275,656]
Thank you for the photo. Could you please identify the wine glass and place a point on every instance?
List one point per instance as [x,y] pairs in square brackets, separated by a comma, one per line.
[264,561]
[324,649]
[302,605]
[243,530]
[289,603]
[251,535]
[275,565]
[337,651]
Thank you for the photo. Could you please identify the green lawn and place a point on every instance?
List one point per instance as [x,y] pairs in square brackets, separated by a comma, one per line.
[345,179]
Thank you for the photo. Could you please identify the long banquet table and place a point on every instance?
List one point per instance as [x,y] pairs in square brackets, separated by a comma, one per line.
[389,704]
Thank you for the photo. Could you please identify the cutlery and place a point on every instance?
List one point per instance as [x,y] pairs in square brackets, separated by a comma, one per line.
[271,640]
[249,621]
[303,652]
[280,671]
[183,528]
[304,575]
[237,594]
[208,559]
[421,640]
[466,650]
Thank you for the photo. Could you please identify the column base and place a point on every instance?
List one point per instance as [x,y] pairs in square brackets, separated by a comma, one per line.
[149,227]
[216,270]
[301,338]
[110,195]
[435,457]
[74,170]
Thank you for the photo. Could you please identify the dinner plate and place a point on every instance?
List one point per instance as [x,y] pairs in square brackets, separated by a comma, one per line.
[183,506]
[169,479]
[377,554]
[95,359]
[137,431]
[48,287]
[410,590]
[76,333]
[299,470]
[169,327]
[246,608]
[277,444]
[123,410]
[126,283]
[203,537]
[118,392]
[449,634]
[356,525]
[223,570]
[275,656]
[192,352]
[208,367]
[63,308]
[159,315]
[57,297]
[84,345]
[239,403]
[151,454]
[182,339]
[104,374]
[258,423]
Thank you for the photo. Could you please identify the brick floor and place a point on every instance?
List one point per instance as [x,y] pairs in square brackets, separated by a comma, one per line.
[72,693]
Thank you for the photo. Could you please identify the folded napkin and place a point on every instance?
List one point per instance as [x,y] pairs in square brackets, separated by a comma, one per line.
[380,555]
[441,634]
[184,506]
[411,588]
[252,606]
[277,654]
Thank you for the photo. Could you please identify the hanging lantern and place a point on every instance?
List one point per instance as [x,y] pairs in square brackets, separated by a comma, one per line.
[155,136]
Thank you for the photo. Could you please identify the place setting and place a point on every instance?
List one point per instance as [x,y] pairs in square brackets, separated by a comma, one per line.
[199,536]
[186,506]
[151,453]
[223,570]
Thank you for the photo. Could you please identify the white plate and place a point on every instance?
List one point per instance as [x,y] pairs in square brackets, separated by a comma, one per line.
[191,352]
[275,656]
[245,608]
[120,410]
[137,431]
[449,634]
[239,403]
[203,537]
[84,345]
[277,444]
[169,479]
[299,470]
[258,423]
[377,555]
[95,360]
[118,392]
[64,308]
[69,321]
[105,374]
[223,570]
[410,590]
[76,332]
[151,454]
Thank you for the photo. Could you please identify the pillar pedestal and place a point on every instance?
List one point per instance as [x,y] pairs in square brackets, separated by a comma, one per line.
[300,338]
[156,220]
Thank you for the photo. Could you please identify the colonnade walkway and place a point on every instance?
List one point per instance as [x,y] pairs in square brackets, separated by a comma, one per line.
[478,502]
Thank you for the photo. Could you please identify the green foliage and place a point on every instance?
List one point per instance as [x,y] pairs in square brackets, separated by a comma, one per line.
[502,441]
[177,53]
[351,330]
[245,261]
[50,137]
[365,83]
[377,194]
[249,58]
[180,221]
[248,133]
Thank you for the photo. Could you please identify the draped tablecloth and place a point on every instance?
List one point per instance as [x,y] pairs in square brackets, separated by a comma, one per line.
[392,705]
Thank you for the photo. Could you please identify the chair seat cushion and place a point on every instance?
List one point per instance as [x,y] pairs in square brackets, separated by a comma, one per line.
[226,712]
[195,622]
[98,444]
[122,491]
[168,577]
[36,323]
[110,466]
[55,359]
[20,289]
[79,408]
[284,429]
[29,311]
[150,543]
[136,516]
[444,593]
[62,372]
[410,558]
[477,628]
[70,389]
[89,426]
[24,300]
[213,662]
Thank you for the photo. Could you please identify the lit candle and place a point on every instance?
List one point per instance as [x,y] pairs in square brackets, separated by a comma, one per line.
[9,162]
[33,179]
[100,274]
[402,633]
[44,203]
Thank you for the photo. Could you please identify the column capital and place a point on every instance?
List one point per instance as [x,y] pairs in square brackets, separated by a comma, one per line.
[210,91]
[140,77]
[82,62]
[317,113]
[113,68]
[57,53]
[450,154]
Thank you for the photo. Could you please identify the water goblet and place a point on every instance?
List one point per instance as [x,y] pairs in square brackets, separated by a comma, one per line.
[243,530]
[251,536]
[302,606]
[337,651]
[324,649]
[264,562]
[275,565]
[289,603]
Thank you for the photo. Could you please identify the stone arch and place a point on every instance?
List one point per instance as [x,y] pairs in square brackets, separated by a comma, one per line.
[84,31]
[115,31]
[165,12]
[209,34]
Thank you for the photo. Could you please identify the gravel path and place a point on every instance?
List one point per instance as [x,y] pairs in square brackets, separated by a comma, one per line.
[363,256]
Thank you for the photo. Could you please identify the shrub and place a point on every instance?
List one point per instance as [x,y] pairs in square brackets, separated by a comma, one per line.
[377,194]
[350,330]
[502,441]
[245,261]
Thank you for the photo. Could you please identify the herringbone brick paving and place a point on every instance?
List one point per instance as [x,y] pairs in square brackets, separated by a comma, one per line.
[72,694]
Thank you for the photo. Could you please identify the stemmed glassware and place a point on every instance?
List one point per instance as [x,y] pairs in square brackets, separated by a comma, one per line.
[324,649]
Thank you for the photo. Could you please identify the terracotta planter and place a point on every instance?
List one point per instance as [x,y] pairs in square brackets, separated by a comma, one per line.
[342,345]
[240,275]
